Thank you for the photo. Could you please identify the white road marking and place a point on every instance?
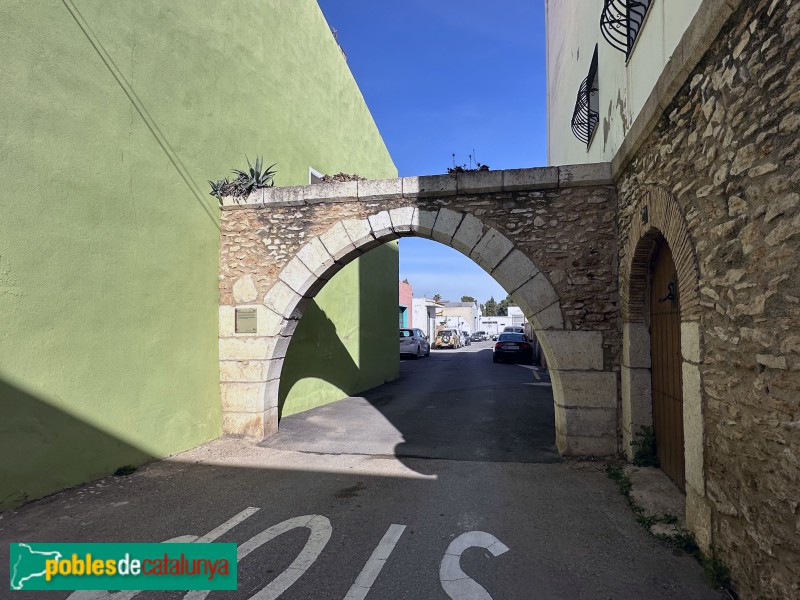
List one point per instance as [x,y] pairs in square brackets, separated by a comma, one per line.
[457,584]
[227,526]
[373,566]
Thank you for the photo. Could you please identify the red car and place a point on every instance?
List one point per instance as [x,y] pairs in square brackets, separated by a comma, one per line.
[512,347]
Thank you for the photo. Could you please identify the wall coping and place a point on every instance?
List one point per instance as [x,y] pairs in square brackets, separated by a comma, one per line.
[468,183]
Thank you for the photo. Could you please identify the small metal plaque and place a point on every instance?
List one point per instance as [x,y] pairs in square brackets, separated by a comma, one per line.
[246,321]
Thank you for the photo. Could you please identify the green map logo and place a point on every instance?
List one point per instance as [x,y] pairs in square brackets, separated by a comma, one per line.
[28,565]
[172,566]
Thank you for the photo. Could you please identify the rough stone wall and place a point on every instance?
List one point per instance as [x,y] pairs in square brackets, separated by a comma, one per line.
[727,149]
[569,233]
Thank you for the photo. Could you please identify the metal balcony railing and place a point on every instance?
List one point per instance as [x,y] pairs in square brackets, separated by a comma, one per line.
[586,114]
[621,21]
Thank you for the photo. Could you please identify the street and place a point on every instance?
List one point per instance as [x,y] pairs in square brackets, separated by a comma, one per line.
[444,483]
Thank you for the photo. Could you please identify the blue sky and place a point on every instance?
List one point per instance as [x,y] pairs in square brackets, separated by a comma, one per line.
[443,77]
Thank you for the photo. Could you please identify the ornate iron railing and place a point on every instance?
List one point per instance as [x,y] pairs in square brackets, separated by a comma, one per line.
[621,21]
[586,114]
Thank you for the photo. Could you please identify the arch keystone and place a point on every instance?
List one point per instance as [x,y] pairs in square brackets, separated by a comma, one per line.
[424,222]
[402,218]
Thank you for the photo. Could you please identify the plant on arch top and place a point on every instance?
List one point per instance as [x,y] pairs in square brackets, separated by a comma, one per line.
[474,165]
[247,181]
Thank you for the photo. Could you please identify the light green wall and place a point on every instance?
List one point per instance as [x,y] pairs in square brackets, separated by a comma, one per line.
[113,116]
[346,341]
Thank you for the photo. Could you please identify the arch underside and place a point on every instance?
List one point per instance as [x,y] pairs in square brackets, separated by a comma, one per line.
[585,395]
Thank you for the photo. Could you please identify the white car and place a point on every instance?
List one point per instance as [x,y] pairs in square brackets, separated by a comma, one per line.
[414,342]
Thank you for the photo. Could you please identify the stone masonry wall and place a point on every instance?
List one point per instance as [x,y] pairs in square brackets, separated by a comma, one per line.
[727,150]
[568,232]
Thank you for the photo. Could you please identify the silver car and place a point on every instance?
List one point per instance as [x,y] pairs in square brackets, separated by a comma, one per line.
[414,342]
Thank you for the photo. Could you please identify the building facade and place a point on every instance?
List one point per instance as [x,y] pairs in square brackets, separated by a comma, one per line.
[696,105]
[405,305]
[462,316]
[109,273]
[425,311]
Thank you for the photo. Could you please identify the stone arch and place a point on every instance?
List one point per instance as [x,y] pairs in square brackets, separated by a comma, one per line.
[657,216]
[585,395]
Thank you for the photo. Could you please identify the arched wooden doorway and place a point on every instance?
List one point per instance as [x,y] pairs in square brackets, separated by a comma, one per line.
[666,361]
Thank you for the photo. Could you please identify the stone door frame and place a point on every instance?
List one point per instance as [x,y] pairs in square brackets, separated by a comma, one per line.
[657,218]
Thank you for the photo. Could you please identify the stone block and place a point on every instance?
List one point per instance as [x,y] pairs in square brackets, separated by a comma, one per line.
[256,426]
[281,346]
[281,299]
[530,179]
[316,258]
[690,341]
[339,191]
[243,397]
[381,225]
[479,182]
[402,218]
[584,389]
[698,518]
[227,321]
[424,221]
[535,295]
[573,350]
[468,234]
[291,196]
[429,186]
[491,249]
[297,276]
[637,405]
[360,233]
[635,345]
[254,371]
[245,348]
[514,271]
[244,289]
[549,318]
[446,225]
[585,175]
[693,427]
[267,322]
[338,243]
[380,189]
[573,445]
[586,422]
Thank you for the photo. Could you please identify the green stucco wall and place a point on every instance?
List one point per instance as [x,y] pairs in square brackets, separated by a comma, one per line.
[346,341]
[113,117]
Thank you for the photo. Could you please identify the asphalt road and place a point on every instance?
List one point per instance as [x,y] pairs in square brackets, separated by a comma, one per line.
[443,484]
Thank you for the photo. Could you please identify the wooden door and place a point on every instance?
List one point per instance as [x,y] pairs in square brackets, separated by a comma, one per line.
[665,352]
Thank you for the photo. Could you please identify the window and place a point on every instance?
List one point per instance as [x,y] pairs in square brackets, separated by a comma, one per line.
[314,176]
[587,106]
[621,21]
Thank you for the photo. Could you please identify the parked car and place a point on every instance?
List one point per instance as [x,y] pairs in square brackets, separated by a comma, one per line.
[466,339]
[513,329]
[512,347]
[477,337]
[414,342]
[447,338]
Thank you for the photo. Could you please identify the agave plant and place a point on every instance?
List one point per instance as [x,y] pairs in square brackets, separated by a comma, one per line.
[254,178]
[246,181]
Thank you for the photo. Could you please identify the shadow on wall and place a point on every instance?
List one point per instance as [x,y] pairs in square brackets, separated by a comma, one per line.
[44,449]
[345,344]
